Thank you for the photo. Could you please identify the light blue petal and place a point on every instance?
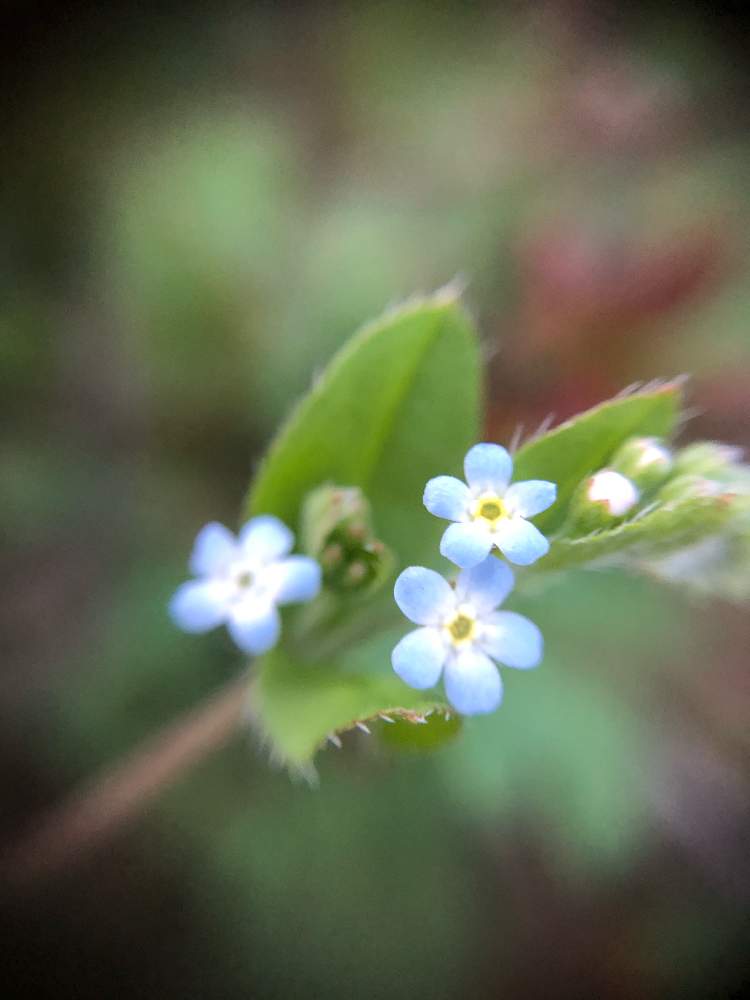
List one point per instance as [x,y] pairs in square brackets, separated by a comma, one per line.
[265,539]
[466,545]
[214,548]
[424,596]
[447,497]
[294,579]
[199,605]
[419,657]
[531,497]
[255,632]
[520,542]
[472,682]
[488,467]
[512,639]
[485,586]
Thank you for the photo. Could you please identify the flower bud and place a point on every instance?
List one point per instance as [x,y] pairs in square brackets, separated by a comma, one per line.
[337,531]
[707,458]
[688,487]
[646,461]
[602,501]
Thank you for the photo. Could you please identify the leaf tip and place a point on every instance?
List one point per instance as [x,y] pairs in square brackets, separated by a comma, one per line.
[452,291]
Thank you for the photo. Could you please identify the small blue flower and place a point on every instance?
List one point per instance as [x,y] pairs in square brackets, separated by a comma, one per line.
[242,580]
[461,633]
[488,512]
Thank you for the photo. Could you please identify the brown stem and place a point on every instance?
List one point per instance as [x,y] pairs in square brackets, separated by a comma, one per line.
[97,812]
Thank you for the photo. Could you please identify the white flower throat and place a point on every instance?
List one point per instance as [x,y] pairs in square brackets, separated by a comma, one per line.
[248,583]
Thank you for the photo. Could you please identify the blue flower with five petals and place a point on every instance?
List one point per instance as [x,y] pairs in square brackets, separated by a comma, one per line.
[461,633]
[242,580]
[488,512]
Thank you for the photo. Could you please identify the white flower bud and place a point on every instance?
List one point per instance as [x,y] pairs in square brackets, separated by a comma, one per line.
[653,454]
[615,491]
[646,461]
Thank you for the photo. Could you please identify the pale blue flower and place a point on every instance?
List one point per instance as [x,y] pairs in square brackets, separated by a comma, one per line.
[461,633]
[488,512]
[242,580]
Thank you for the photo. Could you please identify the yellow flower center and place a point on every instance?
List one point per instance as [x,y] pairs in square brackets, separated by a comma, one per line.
[462,628]
[244,578]
[490,509]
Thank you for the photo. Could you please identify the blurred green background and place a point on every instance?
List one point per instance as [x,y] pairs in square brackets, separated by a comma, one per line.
[199,204]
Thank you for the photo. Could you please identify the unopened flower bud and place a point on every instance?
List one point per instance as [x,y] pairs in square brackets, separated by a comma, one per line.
[331,556]
[646,461]
[613,491]
[707,458]
[688,487]
[356,573]
[601,501]
[337,530]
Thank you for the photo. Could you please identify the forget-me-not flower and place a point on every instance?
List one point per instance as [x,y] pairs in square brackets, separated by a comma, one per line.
[242,580]
[462,632]
[488,512]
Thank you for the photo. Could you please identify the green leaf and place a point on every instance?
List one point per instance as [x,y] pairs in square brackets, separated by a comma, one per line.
[438,730]
[298,704]
[671,526]
[397,405]
[586,443]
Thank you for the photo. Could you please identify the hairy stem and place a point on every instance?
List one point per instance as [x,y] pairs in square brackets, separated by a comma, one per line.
[90,817]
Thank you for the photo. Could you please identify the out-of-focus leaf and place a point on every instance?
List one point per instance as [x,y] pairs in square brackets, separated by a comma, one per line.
[397,405]
[699,538]
[203,221]
[368,833]
[580,446]
[716,566]
[129,689]
[575,742]
[564,746]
